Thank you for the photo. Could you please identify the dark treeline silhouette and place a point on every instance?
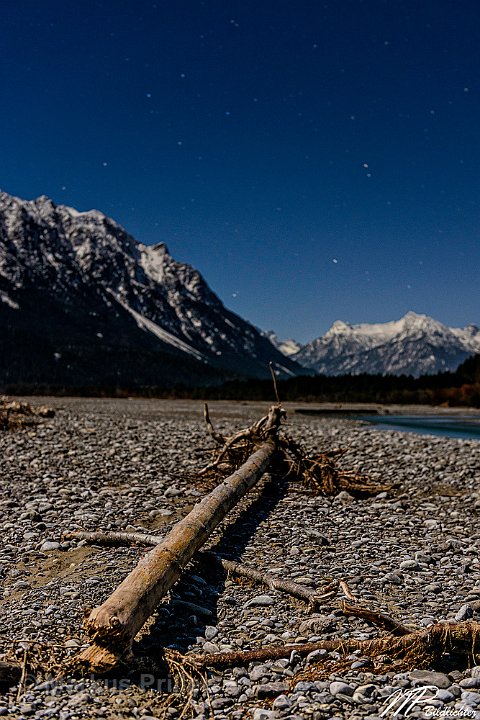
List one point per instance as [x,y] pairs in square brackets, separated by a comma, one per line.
[460,388]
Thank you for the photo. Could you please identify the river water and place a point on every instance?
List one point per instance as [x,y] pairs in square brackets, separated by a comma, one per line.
[466,427]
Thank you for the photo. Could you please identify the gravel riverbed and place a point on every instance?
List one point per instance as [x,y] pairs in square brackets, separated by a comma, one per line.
[129,465]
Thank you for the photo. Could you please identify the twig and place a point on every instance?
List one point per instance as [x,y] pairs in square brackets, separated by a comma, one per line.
[346,590]
[114,538]
[264,578]
[218,437]
[23,678]
[275,386]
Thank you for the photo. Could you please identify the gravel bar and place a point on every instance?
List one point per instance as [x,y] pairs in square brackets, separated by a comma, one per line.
[129,464]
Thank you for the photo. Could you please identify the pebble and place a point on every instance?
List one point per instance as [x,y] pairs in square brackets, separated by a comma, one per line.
[49,545]
[260,601]
[262,714]
[341,688]
[271,689]
[465,613]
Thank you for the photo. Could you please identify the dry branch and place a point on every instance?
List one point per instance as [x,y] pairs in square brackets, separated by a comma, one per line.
[114,538]
[235,568]
[319,472]
[379,619]
[15,415]
[113,626]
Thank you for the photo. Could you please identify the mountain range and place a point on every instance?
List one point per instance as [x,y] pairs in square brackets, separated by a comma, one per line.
[83,303]
[414,345]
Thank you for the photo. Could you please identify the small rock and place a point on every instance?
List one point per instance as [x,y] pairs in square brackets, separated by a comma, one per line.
[259,672]
[429,677]
[210,647]
[231,688]
[81,698]
[365,693]
[409,565]
[210,632]
[445,696]
[282,702]
[340,688]
[27,709]
[271,689]
[49,545]
[262,714]
[315,656]
[392,578]
[471,682]
[260,601]
[471,698]
[345,497]
[465,613]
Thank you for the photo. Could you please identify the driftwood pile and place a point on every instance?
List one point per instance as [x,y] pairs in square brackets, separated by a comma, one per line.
[238,463]
[15,415]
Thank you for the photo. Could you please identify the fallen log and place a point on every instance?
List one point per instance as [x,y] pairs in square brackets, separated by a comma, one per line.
[113,626]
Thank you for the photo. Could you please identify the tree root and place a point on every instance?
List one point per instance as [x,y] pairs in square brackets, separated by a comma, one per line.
[419,648]
[319,473]
[15,415]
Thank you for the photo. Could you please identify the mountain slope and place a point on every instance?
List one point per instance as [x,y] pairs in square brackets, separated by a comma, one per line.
[414,345]
[106,309]
[286,347]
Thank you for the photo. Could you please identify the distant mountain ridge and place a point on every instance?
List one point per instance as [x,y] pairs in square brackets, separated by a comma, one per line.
[414,345]
[81,301]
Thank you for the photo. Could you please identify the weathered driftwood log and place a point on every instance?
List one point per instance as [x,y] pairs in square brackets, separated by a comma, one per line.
[113,626]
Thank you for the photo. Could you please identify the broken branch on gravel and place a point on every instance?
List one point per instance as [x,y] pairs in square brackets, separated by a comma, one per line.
[239,569]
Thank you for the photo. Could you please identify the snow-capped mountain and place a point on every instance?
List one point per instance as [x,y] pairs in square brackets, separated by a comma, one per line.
[91,303]
[414,345]
[287,347]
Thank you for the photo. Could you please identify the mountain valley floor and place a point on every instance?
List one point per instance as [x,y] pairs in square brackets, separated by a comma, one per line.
[130,465]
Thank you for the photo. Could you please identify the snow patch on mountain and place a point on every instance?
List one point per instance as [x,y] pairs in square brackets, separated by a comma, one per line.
[286,347]
[148,325]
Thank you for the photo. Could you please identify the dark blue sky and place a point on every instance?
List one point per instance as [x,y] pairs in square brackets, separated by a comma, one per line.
[315,160]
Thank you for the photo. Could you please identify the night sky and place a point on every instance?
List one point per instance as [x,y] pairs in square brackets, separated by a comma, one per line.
[314,160]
